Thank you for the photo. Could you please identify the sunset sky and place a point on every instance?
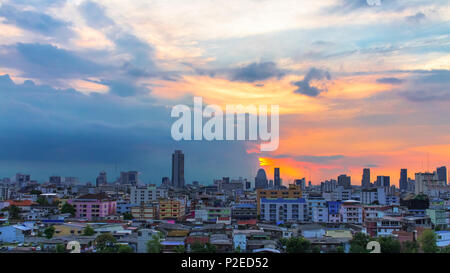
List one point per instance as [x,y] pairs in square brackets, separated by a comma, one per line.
[87,86]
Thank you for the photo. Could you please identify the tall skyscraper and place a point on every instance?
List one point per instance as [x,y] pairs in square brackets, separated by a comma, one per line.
[22,179]
[101,179]
[345,181]
[55,180]
[403,180]
[425,182]
[129,178]
[165,182]
[383,181]
[276,177]
[261,180]
[442,174]
[301,183]
[365,182]
[178,169]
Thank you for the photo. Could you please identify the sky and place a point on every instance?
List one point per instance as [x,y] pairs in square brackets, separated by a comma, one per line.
[87,86]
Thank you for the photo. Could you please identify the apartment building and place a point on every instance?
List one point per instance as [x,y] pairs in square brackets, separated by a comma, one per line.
[351,212]
[283,209]
[93,206]
[144,212]
[172,208]
[147,194]
[293,191]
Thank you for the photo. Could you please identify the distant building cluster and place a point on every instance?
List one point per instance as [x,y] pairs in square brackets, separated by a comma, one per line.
[229,215]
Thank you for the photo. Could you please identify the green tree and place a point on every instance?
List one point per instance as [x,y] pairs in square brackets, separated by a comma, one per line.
[238,249]
[180,249]
[35,192]
[68,208]
[42,201]
[210,248]
[127,216]
[60,248]
[389,245]
[49,232]
[445,249]
[340,249]
[106,243]
[359,243]
[296,245]
[410,247]
[198,247]
[13,212]
[88,231]
[154,245]
[125,249]
[428,241]
[315,249]
[422,197]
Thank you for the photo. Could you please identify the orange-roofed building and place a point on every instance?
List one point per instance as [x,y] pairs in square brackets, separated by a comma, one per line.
[25,205]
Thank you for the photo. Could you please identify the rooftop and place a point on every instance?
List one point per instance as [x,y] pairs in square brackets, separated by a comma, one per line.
[283,200]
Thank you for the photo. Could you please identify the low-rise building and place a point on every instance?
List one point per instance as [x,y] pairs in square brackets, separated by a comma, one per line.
[442,238]
[293,191]
[172,209]
[244,211]
[93,206]
[351,212]
[320,214]
[147,194]
[283,209]
[438,217]
[144,212]
[312,231]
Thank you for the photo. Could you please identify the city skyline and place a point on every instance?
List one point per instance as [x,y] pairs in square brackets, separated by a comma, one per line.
[178,181]
[87,86]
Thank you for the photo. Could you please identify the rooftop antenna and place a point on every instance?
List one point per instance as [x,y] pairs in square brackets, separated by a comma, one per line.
[428,161]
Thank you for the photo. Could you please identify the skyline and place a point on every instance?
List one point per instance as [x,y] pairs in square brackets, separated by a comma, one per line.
[87,86]
[271,174]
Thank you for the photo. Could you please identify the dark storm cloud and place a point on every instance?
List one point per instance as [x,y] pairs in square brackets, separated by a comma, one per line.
[311,158]
[348,6]
[34,21]
[95,15]
[44,130]
[390,80]
[428,86]
[304,86]
[125,89]
[142,63]
[417,18]
[47,61]
[40,3]
[257,72]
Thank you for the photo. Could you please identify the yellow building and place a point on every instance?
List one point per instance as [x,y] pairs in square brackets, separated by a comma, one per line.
[172,209]
[293,191]
[68,229]
[144,212]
